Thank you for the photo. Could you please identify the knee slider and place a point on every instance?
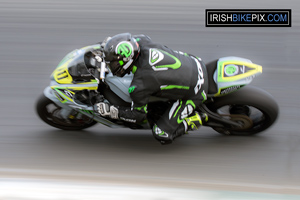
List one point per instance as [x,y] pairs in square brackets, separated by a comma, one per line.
[161,135]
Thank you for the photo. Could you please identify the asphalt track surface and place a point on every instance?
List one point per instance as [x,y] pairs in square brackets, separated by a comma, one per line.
[35,36]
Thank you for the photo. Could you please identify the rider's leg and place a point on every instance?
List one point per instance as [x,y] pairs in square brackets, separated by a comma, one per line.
[172,124]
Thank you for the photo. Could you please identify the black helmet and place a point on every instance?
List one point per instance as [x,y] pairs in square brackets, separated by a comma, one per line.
[120,52]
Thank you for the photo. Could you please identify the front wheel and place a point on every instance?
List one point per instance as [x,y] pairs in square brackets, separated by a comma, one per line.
[49,112]
[255,110]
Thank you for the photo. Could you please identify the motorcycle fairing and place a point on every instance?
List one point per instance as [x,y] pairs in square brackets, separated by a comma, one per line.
[76,52]
[72,69]
[65,92]
[71,75]
[62,75]
[69,106]
[120,85]
[232,73]
[63,86]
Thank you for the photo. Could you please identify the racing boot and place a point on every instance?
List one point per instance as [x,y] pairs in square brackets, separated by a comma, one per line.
[195,121]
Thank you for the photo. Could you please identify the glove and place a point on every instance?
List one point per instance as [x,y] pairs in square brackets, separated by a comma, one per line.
[106,109]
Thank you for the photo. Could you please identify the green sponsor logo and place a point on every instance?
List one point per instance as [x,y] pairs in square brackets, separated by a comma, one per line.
[158,55]
[176,65]
[125,49]
[231,70]
[131,89]
[154,56]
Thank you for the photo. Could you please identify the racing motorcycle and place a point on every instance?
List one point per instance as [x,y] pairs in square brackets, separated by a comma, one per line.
[232,107]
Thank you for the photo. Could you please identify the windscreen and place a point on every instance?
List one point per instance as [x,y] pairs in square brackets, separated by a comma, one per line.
[77,68]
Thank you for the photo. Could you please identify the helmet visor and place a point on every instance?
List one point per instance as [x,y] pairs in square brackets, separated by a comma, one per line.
[115,68]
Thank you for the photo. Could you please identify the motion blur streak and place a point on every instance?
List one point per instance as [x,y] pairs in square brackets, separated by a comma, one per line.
[34,37]
[41,190]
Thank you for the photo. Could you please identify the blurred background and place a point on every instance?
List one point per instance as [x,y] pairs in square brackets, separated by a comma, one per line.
[36,34]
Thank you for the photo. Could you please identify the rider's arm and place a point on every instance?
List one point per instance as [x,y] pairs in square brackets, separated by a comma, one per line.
[139,94]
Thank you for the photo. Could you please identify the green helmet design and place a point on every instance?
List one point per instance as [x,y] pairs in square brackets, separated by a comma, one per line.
[120,53]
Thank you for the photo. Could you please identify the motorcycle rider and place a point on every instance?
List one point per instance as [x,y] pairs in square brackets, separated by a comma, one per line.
[158,71]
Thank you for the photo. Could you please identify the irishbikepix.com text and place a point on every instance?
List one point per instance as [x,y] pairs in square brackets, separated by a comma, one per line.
[257,18]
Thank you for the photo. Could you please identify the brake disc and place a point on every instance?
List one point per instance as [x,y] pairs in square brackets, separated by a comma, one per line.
[243,120]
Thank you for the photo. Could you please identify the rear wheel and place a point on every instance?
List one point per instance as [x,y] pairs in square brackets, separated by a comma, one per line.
[253,108]
[49,112]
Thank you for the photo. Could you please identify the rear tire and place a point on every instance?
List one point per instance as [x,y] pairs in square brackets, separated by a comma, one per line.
[258,106]
[48,111]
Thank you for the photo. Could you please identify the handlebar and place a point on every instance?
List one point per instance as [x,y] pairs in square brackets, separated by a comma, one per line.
[101,68]
[97,73]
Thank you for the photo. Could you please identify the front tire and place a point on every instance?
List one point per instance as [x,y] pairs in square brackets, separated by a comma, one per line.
[48,111]
[256,109]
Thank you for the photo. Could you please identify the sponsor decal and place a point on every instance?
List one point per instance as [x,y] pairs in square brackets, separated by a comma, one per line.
[131,89]
[187,111]
[58,96]
[68,93]
[200,77]
[250,78]
[128,120]
[230,89]
[231,70]
[62,75]
[160,132]
[155,56]
[85,75]
[125,49]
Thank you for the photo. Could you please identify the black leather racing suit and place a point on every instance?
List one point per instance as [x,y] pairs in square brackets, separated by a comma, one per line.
[160,71]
